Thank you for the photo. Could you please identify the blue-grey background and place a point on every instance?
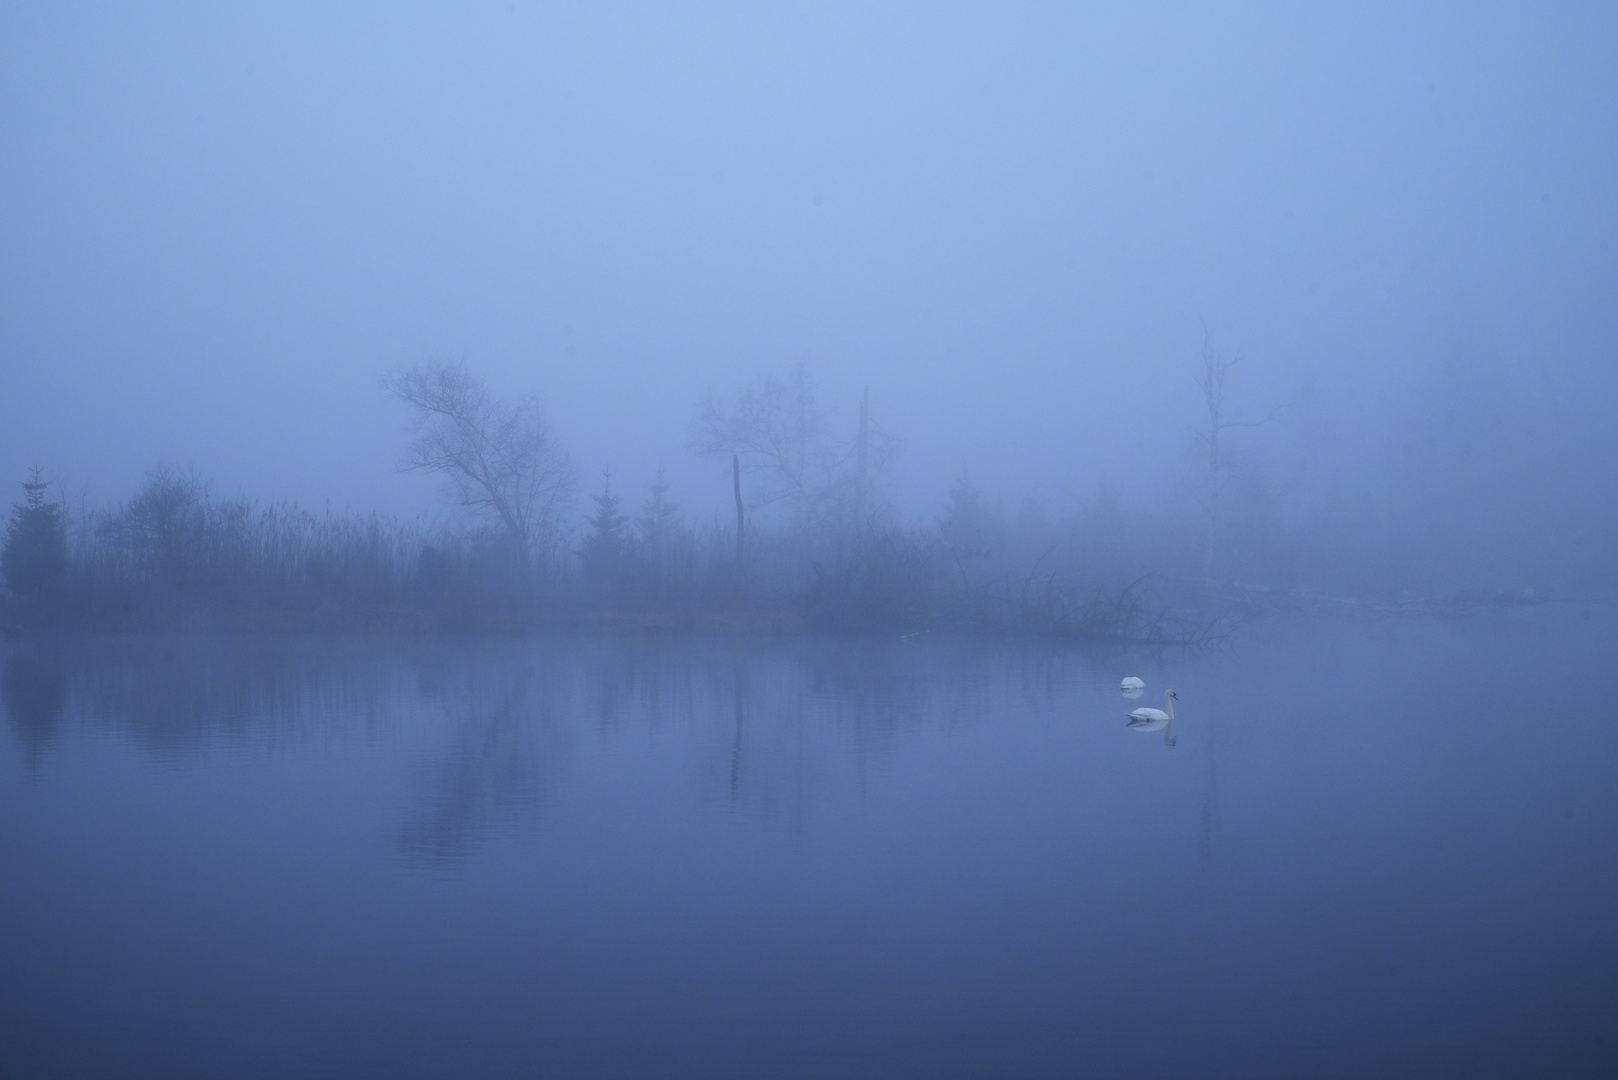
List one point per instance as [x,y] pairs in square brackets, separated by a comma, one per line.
[220,224]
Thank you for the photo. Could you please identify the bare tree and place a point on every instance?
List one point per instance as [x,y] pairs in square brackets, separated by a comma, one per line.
[498,460]
[777,431]
[1215,370]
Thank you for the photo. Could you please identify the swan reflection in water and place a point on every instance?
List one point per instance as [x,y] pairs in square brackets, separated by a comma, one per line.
[1155,719]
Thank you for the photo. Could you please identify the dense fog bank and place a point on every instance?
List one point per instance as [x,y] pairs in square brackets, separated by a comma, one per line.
[993,312]
[813,539]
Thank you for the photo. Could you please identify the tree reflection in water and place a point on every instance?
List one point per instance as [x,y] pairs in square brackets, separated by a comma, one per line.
[34,690]
[491,730]
[500,745]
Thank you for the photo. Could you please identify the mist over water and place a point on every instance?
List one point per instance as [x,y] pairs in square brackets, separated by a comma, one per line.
[1372,849]
[603,540]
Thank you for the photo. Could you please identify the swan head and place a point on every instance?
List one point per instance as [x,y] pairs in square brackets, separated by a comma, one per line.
[1174,694]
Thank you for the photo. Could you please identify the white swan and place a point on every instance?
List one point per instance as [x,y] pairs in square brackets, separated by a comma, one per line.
[1152,719]
[1131,683]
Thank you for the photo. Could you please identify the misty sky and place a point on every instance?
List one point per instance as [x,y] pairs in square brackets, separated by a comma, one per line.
[222,224]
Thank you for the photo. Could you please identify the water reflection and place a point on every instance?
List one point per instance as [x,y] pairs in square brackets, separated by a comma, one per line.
[34,690]
[500,748]
[682,848]
[1164,724]
[736,746]
[180,697]
[491,731]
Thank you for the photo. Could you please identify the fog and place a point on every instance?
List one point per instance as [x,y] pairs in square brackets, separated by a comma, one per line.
[1018,227]
[802,540]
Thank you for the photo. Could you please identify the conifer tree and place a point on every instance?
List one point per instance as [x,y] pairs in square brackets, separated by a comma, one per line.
[660,519]
[605,542]
[35,555]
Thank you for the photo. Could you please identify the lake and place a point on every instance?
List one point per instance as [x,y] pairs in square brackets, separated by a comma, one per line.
[1375,848]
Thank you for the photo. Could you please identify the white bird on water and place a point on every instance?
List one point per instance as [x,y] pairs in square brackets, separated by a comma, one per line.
[1152,719]
[1131,683]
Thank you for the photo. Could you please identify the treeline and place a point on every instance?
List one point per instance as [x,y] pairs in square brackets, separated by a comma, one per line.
[813,543]
[175,556]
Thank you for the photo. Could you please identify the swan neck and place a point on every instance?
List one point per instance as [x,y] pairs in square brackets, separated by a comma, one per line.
[1168,705]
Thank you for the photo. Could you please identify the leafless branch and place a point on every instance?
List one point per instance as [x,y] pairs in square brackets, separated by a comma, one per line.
[784,440]
[499,460]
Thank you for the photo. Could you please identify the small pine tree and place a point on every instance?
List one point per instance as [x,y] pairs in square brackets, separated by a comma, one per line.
[659,520]
[608,536]
[35,555]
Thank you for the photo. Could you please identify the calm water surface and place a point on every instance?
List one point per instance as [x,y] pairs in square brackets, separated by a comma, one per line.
[1375,849]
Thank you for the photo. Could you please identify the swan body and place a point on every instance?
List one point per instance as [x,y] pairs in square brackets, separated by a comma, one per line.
[1152,719]
[1132,683]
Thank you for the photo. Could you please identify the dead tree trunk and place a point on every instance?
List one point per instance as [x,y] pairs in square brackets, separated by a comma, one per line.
[741,521]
